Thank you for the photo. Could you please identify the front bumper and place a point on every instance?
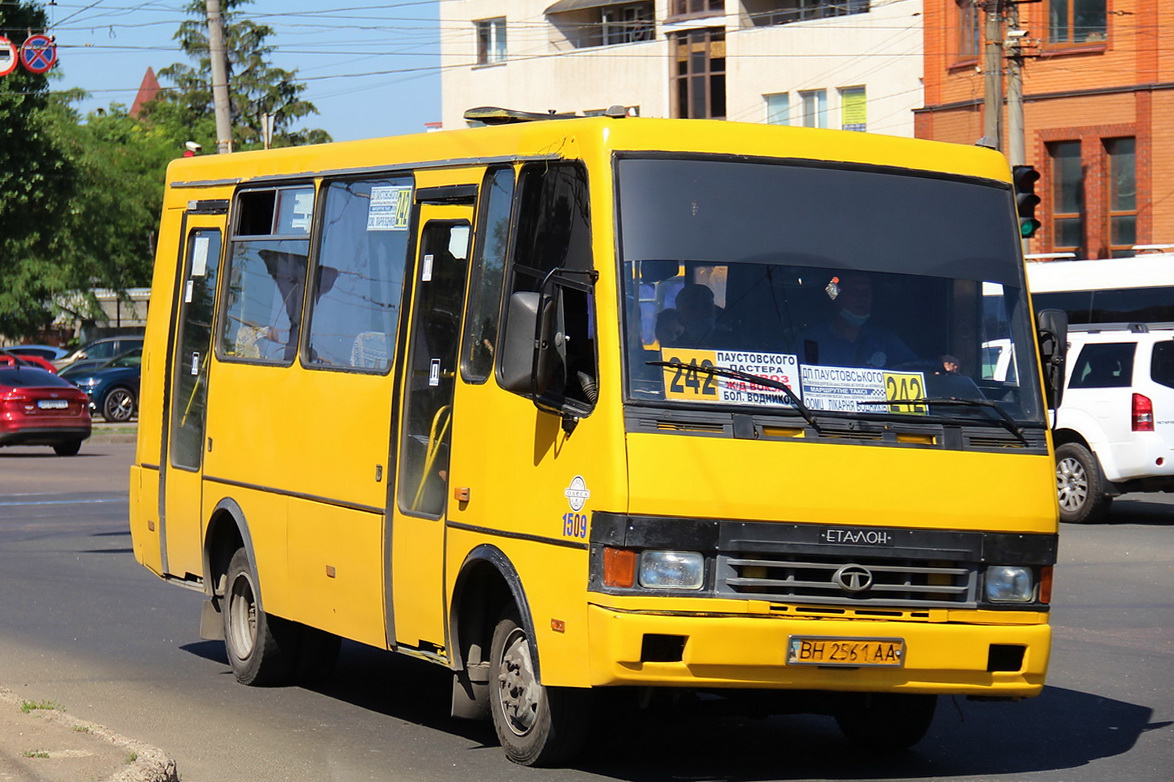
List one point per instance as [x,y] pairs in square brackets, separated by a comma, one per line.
[750,652]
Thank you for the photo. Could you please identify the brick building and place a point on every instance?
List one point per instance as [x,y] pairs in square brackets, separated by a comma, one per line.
[1098,112]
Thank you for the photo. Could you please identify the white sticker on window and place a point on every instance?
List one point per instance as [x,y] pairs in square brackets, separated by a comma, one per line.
[426,268]
[195,363]
[434,372]
[188,290]
[390,209]
[303,209]
[200,256]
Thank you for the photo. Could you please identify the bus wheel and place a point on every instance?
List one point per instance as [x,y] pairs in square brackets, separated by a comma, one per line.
[1080,485]
[253,640]
[537,726]
[884,722]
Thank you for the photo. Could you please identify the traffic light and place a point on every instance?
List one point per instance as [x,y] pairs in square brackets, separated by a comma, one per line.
[1024,179]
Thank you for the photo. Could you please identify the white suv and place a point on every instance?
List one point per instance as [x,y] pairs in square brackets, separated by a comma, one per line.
[1114,431]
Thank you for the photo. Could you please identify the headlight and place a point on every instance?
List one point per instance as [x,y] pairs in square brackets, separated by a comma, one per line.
[672,570]
[1007,584]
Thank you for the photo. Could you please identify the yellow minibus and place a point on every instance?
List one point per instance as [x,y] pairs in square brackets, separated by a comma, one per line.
[571,404]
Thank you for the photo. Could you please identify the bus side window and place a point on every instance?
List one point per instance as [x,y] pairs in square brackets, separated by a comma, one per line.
[359,279]
[266,275]
[554,232]
[488,275]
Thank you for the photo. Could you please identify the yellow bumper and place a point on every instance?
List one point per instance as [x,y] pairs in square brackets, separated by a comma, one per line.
[751,652]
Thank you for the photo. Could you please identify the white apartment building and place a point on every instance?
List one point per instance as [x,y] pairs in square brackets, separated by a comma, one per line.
[850,64]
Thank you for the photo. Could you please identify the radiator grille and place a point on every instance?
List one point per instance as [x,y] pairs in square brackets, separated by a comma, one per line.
[812,579]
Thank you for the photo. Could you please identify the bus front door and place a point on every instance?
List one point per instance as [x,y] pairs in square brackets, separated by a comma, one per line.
[422,469]
[181,464]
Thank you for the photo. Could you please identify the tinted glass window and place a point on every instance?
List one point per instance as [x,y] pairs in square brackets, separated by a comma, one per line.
[493,235]
[1106,365]
[1162,365]
[29,377]
[360,274]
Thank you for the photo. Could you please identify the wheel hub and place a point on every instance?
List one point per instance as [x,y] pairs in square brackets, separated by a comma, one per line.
[517,687]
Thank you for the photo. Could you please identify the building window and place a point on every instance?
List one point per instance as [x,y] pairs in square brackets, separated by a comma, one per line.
[490,41]
[763,13]
[626,23]
[853,113]
[1067,196]
[604,24]
[1122,170]
[699,73]
[778,109]
[969,29]
[697,7]
[815,108]
[1076,21]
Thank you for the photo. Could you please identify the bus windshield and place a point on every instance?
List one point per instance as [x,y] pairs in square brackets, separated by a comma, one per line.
[866,292]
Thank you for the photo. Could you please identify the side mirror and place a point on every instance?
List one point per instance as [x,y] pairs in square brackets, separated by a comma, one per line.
[1053,348]
[532,344]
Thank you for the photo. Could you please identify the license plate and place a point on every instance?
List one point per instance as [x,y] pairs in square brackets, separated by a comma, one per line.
[852,652]
[52,404]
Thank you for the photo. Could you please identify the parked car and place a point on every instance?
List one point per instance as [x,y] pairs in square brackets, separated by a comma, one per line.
[47,352]
[9,358]
[99,351]
[1114,430]
[113,387]
[39,408]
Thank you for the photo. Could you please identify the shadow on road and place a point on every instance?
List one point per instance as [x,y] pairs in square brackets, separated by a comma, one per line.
[1127,510]
[1062,729]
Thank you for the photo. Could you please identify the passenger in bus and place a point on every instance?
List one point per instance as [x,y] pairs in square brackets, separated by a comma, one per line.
[669,328]
[700,316]
[848,338]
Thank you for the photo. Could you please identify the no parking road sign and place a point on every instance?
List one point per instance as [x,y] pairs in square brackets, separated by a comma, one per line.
[38,53]
[8,56]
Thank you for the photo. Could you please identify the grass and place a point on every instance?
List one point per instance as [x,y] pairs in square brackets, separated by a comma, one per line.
[28,706]
[35,753]
[82,728]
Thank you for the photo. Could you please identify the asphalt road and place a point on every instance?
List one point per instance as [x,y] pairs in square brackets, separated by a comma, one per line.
[82,624]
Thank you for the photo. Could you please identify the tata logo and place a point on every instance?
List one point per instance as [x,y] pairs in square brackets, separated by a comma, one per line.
[853,578]
[577,493]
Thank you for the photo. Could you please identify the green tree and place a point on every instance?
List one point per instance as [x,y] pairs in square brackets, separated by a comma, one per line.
[37,182]
[255,86]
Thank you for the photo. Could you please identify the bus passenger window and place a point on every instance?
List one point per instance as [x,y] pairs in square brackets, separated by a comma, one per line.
[488,271]
[554,233]
[266,275]
[360,276]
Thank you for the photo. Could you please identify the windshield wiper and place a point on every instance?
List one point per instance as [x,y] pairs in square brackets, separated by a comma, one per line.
[737,374]
[1004,419]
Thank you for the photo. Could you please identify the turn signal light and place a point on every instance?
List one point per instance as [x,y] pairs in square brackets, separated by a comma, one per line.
[1142,414]
[619,567]
[1045,584]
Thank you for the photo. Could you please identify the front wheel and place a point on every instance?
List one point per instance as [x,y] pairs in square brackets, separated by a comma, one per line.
[119,405]
[536,725]
[258,645]
[1080,486]
[884,722]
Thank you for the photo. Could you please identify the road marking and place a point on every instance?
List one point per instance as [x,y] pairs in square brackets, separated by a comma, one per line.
[58,502]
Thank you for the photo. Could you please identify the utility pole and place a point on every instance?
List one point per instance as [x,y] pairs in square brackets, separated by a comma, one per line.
[1016,145]
[992,113]
[219,77]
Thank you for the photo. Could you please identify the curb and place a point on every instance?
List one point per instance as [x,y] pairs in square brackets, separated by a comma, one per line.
[150,764]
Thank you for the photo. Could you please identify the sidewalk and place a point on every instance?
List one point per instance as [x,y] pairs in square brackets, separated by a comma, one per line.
[39,742]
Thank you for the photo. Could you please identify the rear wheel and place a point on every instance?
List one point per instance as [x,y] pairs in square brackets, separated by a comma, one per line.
[1080,486]
[883,722]
[119,405]
[537,726]
[259,646]
[68,448]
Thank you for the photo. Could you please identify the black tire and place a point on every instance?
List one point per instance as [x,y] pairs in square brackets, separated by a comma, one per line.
[1080,485]
[68,448]
[536,725]
[886,722]
[119,405]
[260,647]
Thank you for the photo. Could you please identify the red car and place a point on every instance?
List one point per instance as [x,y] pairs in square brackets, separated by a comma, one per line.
[39,408]
[9,358]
